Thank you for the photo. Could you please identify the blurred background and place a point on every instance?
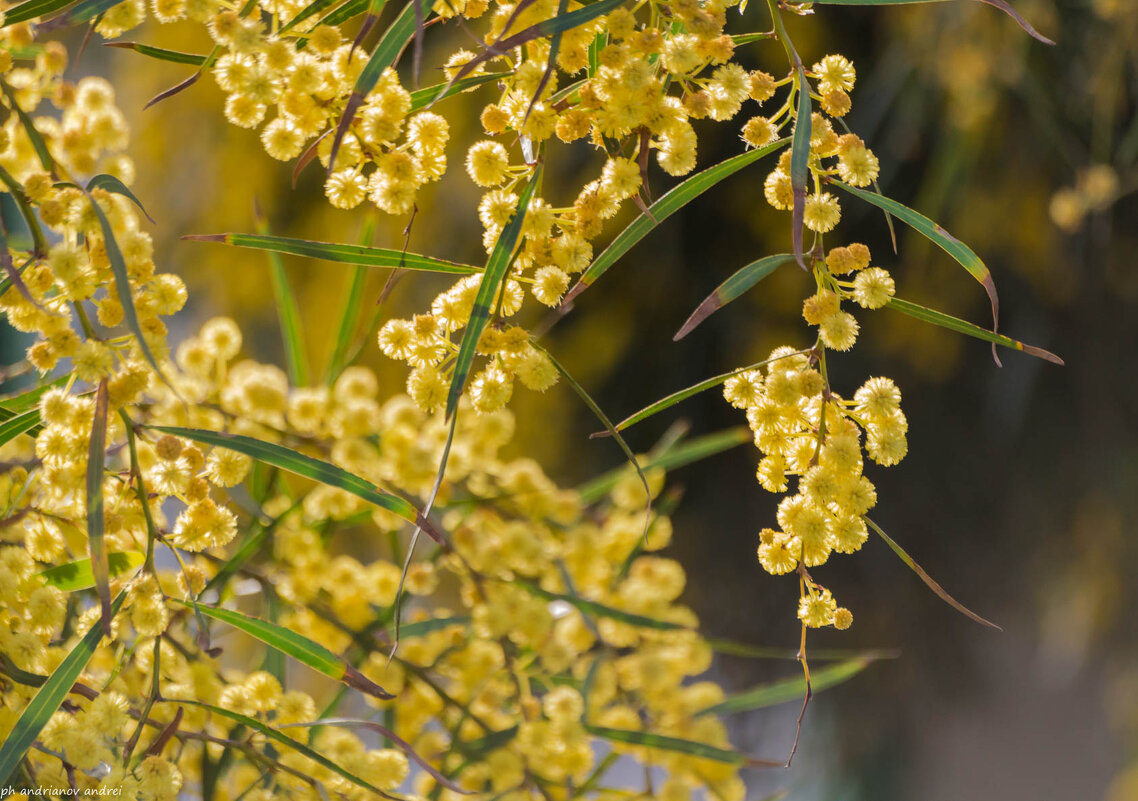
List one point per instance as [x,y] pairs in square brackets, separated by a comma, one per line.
[1019,491]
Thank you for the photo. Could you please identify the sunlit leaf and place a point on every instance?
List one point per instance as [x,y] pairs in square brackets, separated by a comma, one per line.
[489,289]
[678,197]
[299,647]
[78,575]
[733,287]
[281,739]
[96,543]
[598,609]
[315,469]
[160,53]
[342,254]
[959,251]
[47,700]
[790,689]
[943,320]
[799,162]
[927,579]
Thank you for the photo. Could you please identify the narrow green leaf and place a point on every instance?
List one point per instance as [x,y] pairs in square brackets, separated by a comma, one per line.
[800,161]
[313,8]
[597,609]
[248,548]
[288,313]
[96,544]
[548,27]
[78,575]
[20,424]
[599,413]
[964,327]
[733,287]
[31,398]
[38,143]
[748,651]
[789,689]
[683,394]
[341,254]
[501,257]
[122,286]
[421,628]
[281,739]
[666,206]
[696,450]
[667,743]
[1002,5]
[84,11]
[47,700]
[290,643]
[110,183]
[20,198]
[390,45]
[30,9]
[927,579]
[353,8]
[959,251]
[160,53]
[301,465]
[476,749]
[350,310]
[421,98]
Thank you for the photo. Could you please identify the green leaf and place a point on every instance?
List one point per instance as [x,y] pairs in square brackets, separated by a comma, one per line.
[290,643]
[928,580]
[964,327]
[38,143]
[421,98]
[963,254]
[599,610]
[30,9]
[31,398]
[78,575]
[47,700]
[548,27]
[341,254]
[20,424]
[85,11]
[1003,5]
[96,544]
[421,628]
[353,8]
[301,465]
[501,257]
[110,183]
[160,53]
[749,651]
[667,743]
[288,313]
[248,548]
[678,197]
[476,749]
[281,739]
[611,430]
[122,286]
[683,394]
[733,287]
[349,311]
[789,689]
[800,162]
[696,450]
[313,8]
[386,52]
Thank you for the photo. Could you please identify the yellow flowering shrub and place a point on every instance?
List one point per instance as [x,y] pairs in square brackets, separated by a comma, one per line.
[165,503]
